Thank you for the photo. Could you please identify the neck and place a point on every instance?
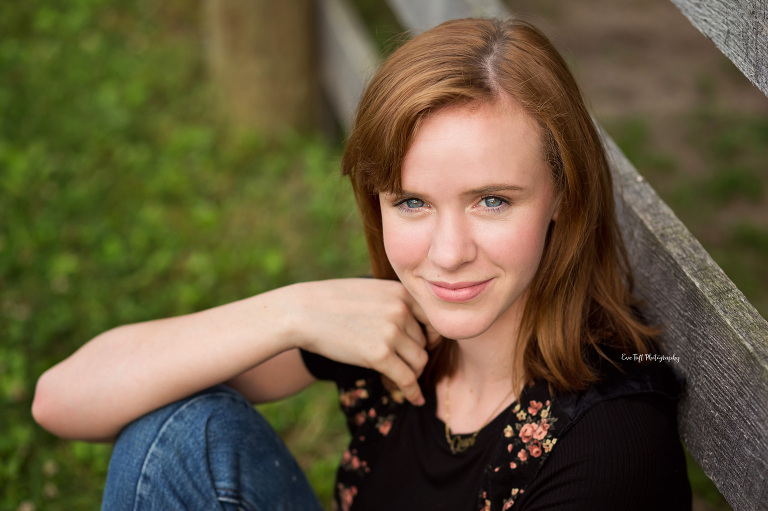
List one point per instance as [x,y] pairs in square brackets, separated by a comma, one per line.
[487,358]
[483,379]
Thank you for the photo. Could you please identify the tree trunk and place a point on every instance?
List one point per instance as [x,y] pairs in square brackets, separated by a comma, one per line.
[262,62]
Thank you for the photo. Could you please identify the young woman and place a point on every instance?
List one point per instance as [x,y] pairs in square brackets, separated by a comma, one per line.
[480,369]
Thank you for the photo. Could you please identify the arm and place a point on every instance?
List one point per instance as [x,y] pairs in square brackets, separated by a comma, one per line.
[251,344]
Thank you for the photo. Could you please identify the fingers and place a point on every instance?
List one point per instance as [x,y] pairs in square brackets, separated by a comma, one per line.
[433,338]
[402,357]
[413,330]
[404,378]
[413,354]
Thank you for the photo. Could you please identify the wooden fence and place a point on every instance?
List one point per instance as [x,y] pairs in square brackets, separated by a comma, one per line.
[720,339]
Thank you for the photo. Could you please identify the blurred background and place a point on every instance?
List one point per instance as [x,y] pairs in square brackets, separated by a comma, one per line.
[131,188]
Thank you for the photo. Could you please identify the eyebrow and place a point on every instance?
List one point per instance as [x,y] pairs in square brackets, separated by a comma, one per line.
[495,188]
[484,190]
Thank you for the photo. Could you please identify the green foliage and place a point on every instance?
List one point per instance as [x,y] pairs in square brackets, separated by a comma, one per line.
[122,200]
[720,196]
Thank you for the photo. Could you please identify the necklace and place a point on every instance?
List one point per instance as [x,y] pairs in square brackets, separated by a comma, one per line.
[455,442]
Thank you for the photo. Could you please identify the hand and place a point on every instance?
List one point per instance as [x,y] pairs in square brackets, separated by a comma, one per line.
[365,322]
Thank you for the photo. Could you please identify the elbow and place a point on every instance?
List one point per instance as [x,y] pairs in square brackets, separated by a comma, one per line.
[44,404]
[52,410]
[56,409]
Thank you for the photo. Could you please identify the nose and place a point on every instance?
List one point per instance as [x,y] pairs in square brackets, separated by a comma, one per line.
[452,243]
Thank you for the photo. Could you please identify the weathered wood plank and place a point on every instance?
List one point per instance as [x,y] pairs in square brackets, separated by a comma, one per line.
[720,339]
[347,56]
[419,16]
[739,28]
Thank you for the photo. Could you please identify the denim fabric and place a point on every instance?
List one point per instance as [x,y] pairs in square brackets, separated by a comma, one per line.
[210,451]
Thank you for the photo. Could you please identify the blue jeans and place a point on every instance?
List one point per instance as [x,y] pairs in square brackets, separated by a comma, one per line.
[210,451]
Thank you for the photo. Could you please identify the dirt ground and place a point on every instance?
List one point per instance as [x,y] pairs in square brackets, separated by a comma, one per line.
[641,57]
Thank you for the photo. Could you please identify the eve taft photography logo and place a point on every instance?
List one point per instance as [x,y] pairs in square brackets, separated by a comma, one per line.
[650,357]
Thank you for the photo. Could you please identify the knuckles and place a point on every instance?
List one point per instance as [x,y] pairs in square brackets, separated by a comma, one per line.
[423,358]
[378,354]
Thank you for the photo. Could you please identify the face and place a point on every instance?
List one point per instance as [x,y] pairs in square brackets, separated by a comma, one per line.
[466,234]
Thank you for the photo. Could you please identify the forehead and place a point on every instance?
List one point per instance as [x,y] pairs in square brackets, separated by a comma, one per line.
[472,145]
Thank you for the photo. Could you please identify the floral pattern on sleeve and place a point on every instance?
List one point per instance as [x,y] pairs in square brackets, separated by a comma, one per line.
[527,439]
[371,411]
[530,437]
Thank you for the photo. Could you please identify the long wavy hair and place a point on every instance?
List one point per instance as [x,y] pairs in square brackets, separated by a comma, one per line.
[580,300]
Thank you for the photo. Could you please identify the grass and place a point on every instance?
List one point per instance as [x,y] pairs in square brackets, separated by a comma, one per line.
[720,194]
[123,200]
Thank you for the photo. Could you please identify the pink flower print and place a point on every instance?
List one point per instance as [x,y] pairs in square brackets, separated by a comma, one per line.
[349,398]
[384,424]
[513,465]
[509,448]
[535,449]
[526,432]
[507,504]
[371,413]
[346,496]
[360,418]
[351,461]
[541,431]
[522,455]
[535,407]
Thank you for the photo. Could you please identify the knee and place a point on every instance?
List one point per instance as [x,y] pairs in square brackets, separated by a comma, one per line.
[211,447]
[179,440]
[186,421]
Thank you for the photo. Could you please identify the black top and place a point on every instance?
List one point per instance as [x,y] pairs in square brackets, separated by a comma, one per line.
[612,448]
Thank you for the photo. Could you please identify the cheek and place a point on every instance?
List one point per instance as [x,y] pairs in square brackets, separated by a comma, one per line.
[406,244]
[517,247]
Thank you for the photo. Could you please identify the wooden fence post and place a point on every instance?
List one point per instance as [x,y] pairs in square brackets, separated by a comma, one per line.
[262,61]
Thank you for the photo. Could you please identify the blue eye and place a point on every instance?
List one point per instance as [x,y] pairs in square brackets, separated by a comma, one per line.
[493,202]
[414,203]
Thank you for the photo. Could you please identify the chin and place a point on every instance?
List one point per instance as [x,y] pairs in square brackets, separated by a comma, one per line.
[459,325]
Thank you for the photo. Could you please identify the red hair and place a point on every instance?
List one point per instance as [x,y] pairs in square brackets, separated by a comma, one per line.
[580,299]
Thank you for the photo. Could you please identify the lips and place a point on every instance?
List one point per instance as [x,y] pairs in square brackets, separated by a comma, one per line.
[458,291]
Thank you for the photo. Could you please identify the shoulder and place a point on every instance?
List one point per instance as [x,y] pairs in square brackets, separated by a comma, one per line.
[620,449]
